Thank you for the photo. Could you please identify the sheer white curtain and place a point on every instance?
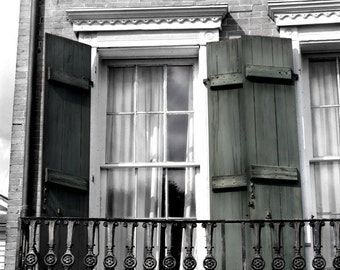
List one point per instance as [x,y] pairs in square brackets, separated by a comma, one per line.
[326,133]
[324,95]
[326,142]
[136,133]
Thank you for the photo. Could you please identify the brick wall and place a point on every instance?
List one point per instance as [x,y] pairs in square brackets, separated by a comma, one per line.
[18,136]
[246,17]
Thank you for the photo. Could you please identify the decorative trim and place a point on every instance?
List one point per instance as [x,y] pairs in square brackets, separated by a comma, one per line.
[305,12]
[152,18]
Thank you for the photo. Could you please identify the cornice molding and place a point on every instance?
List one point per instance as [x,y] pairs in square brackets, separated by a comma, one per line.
[152,18]
[304,12]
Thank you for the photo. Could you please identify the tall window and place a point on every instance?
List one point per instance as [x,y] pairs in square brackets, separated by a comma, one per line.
[150,144]
[325,108]
[325,163]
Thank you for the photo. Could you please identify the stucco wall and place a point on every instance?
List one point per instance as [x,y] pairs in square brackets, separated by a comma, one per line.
[245,17]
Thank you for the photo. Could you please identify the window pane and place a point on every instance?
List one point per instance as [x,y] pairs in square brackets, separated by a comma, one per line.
[323,83]
[327,184]
[176,189]
[150,192]
[121,89]
[181,192]
[119,138]
[179,92]
[150,89]
[177,128]
[325,131]
[121,193]
[149,138]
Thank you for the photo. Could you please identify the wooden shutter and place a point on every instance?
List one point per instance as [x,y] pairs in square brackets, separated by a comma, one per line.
[66,125]
[254,160]
[66,137]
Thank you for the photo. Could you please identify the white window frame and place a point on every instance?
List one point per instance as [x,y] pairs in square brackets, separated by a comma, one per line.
[154,33]
[313,27]
[198,124]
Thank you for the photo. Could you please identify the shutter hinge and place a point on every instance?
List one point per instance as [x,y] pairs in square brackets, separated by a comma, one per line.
[295,76]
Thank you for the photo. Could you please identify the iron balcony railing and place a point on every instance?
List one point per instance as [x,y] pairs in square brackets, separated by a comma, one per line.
[75,243]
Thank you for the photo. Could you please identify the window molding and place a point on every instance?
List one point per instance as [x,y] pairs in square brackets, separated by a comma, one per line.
[151,18]
[148,33]
[304,12]
[313,27]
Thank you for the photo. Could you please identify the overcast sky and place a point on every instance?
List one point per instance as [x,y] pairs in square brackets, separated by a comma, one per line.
[9,31]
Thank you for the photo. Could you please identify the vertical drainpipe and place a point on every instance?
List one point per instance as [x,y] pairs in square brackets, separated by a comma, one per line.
[30,86]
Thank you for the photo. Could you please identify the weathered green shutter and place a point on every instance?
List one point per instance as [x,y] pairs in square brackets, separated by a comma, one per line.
[66,137]
[66,130]
[253,134]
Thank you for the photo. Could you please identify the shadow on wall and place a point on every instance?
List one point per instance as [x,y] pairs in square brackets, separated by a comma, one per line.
[230,28]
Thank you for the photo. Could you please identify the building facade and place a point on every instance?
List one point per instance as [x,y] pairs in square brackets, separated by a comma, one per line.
[216,113]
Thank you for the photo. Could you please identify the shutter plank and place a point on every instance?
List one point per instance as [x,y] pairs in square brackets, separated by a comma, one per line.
[224,81]
[273,173]
[226,148]
[66,180]
[269,74]
[63,77]
[229,182]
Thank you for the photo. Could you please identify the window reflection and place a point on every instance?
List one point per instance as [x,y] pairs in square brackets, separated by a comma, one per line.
[179,88]
[177,127]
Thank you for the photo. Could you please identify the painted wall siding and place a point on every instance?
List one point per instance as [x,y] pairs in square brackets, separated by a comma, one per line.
[245,17]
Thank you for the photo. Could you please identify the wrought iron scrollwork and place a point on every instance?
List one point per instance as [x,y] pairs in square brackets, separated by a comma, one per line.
[258,262]
[298,262]
[209,263]
[150,262]
[278,262]
[67,260]
[169,262]
[130,261]
[319,262]
[189,262]
[50,258]
[110,260]
[336,229]
[31,258]
[90,259]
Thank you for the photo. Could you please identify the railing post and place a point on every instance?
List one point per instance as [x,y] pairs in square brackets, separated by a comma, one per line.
[169,262]
[258,262]
[319,262]
[130,260]
[31,258]
[90,259]
[189,262]
[50,258]
[110,260]
[278,262]
[298,262]
[67,260]
[150,262]
[336,229]
[209,263]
